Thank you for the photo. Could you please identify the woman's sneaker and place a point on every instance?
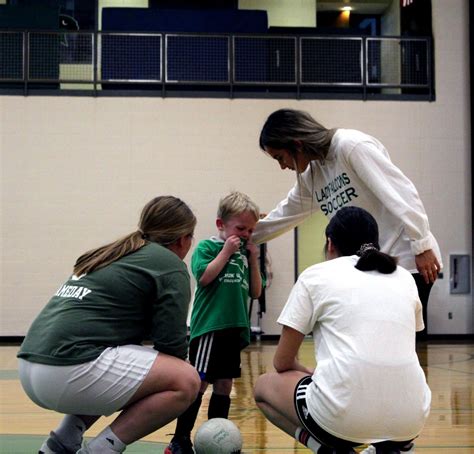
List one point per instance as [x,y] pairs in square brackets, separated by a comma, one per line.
[180,445]
[409,449]
[83,450]
[52,445]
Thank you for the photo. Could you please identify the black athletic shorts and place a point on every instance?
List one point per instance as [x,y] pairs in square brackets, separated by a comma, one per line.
[325,438]
[216,354]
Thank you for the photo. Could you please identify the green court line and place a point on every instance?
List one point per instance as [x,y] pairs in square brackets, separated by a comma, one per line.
[23,444]
[9,375]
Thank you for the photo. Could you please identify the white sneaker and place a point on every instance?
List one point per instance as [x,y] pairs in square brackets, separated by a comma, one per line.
[52,445]
[371,450]
[83,450]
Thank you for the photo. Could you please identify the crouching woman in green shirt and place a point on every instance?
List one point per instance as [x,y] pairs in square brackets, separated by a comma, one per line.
[83,355]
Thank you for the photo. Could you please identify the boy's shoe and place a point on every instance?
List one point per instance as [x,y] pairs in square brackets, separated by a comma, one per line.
[409,449]
[52,445]
[180,445]
[369,450]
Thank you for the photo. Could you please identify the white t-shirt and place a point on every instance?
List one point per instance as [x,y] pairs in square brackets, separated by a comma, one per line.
[368,385]
[358,172]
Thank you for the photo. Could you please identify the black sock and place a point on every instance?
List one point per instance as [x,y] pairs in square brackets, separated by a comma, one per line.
[219,405]
[186,421]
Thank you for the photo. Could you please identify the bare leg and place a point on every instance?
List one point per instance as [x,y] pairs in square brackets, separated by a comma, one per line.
[167,391]
[273,394]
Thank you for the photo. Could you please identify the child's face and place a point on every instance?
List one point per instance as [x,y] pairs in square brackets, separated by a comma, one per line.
[241,225]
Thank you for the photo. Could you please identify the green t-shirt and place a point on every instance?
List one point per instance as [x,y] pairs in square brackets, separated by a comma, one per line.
[142,296]
[223,303]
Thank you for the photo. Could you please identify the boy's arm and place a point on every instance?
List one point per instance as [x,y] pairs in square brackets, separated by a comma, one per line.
[254,271]
[214,267]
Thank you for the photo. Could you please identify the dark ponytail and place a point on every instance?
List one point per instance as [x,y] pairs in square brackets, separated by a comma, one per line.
[354,231]
[372,259]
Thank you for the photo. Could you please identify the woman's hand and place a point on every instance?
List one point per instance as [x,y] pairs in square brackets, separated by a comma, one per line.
[428,266]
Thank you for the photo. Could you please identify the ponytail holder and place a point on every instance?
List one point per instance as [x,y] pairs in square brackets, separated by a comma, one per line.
[366,247]
[142,233]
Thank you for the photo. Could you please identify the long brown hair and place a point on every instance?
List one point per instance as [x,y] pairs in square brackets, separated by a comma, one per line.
[163,220]
[285,128]
[297,132]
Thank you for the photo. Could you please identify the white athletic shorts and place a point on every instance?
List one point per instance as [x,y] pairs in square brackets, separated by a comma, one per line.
[99,387]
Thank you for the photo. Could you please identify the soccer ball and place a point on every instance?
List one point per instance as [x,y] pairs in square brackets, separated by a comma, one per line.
[218,436]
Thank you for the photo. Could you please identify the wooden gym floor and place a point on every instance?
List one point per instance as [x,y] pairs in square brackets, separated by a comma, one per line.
[449,366]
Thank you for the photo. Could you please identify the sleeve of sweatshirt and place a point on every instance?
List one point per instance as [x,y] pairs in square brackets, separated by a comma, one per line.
[290,212]
[399,195]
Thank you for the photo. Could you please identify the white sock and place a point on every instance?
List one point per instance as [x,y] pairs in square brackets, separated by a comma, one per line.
[70,432]
[304,437]
[106,443]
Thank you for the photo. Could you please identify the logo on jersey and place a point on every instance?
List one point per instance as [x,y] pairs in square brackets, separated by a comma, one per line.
[336,194]
[73,291]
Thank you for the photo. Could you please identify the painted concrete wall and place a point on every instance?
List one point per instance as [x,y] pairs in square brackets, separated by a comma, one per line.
[76,171]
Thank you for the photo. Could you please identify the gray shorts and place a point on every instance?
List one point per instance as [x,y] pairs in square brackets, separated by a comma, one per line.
[99,387]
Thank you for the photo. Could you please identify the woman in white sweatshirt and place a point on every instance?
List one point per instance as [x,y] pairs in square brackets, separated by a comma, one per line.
[345,167]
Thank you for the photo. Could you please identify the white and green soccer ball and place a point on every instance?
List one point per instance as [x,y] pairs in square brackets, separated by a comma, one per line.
[218,436]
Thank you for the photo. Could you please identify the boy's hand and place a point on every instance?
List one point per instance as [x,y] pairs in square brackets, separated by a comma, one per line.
[253,250]
[231,245]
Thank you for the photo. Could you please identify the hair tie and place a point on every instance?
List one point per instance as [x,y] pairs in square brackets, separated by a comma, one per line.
[142,233]
[366,247]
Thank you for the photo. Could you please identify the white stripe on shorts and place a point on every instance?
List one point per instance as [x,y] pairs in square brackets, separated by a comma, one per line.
[204,352]
[301,392]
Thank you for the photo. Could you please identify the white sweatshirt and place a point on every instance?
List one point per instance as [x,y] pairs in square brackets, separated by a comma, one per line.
[358,172]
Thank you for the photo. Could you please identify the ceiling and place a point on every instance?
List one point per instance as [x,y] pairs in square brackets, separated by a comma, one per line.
[359,6]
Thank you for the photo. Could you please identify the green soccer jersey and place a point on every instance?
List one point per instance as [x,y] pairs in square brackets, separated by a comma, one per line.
[224,302]
[142,296]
